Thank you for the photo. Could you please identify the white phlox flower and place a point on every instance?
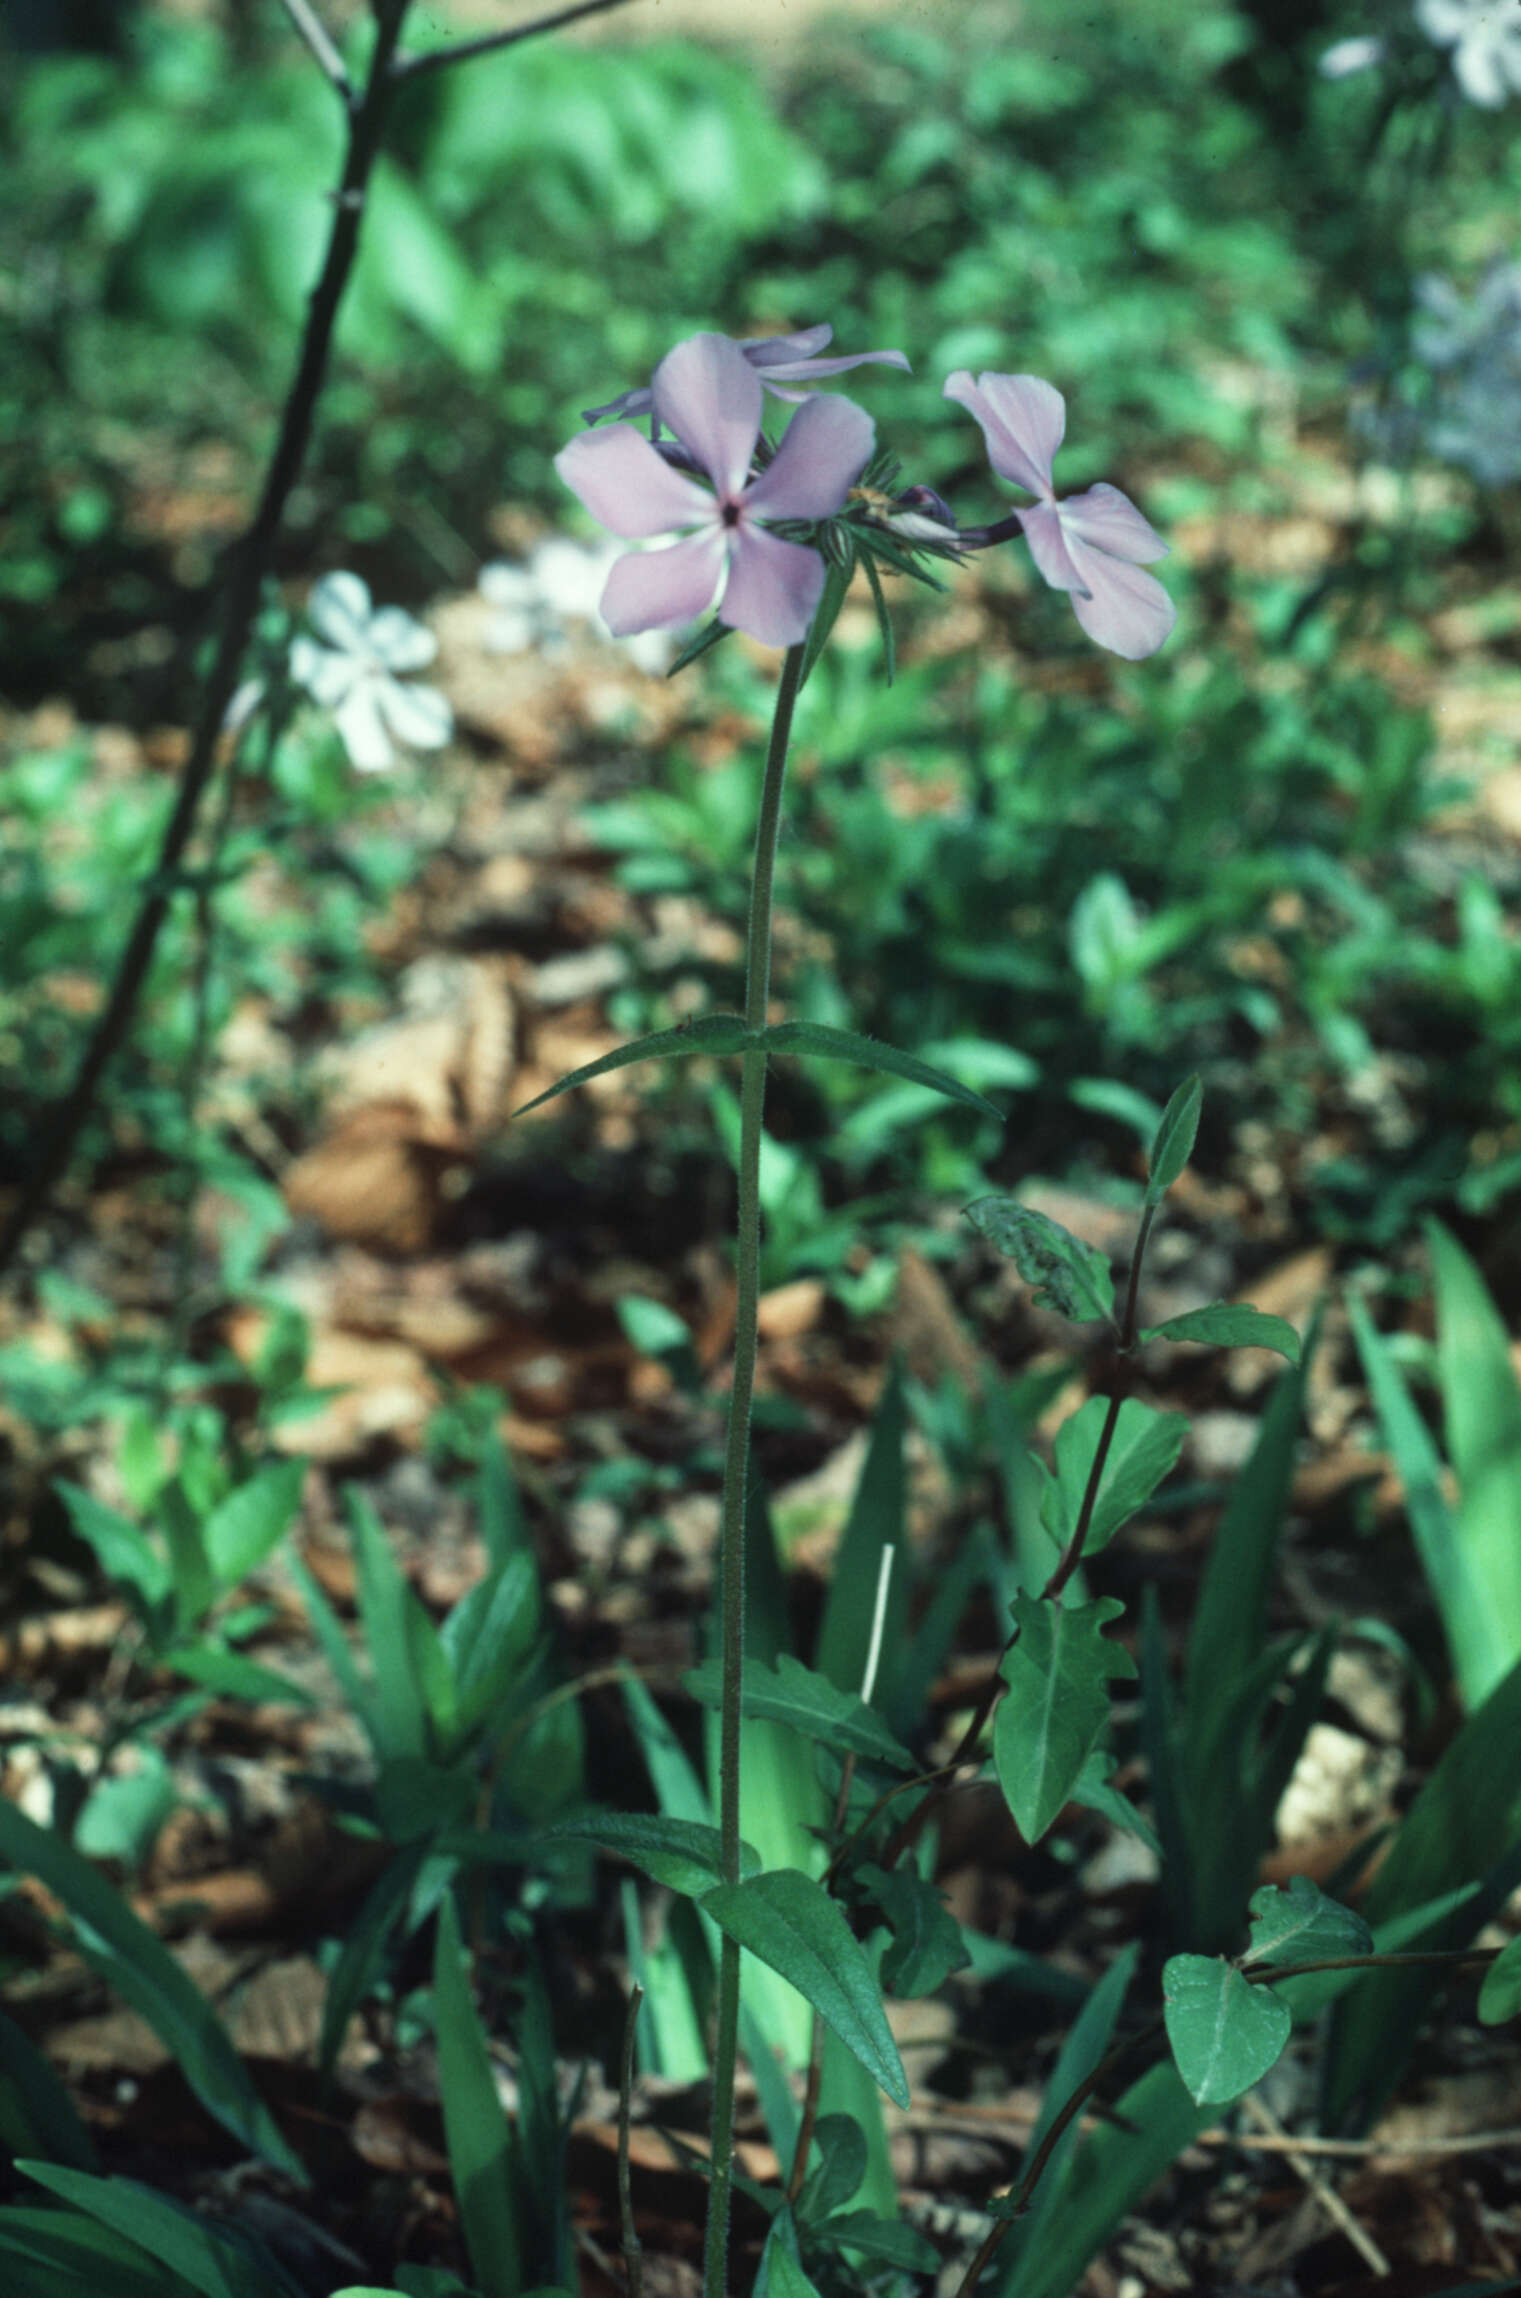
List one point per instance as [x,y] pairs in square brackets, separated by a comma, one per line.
[1485,39]
[357,674]
[1344,57]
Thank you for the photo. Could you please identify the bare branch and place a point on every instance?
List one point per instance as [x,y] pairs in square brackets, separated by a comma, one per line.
[434,59]
[309,25]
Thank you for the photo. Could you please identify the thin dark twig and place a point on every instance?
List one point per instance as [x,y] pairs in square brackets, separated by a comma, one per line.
[461,51]
[309,24]
[247,567]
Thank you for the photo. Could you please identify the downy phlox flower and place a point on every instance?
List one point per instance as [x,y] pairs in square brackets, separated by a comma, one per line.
[779,360]
[1092,545]
[709,396]
[357,673]
[1485,38]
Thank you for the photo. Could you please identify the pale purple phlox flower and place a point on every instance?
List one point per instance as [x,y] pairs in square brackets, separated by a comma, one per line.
[779,360]
[709,395]
[1092,545]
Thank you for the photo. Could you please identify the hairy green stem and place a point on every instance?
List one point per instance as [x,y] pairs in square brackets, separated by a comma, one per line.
[731,1554]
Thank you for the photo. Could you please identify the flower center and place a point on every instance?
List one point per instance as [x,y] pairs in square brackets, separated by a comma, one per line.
[729,515]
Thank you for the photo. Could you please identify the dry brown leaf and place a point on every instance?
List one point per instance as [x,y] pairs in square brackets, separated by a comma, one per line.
[378,1180]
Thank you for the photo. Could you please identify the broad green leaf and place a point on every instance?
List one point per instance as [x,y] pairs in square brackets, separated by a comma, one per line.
[385,1600]
[123,1812]
[123,1551]
[780,2275]
[1056,1705]
[52,2253]
[1176,1134]
[791,1923]
[1500,1995]
[190,1573]
[1481,1404]
[1225,2033]
[240,1533]
[1068,1276]
[1476,1637]
[1301,1925]
[869,2236]
[134,1961]
[219,2263]
[807,1703]
[1225,1324]
[683,1854]
[489,1639]
[836,2176]
[1143,1451]
[475,2123]
[709,1033]
[812,1037]
[927,1945]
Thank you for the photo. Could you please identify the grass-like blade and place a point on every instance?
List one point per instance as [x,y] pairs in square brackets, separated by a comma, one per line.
[475,2123]
[710,1033]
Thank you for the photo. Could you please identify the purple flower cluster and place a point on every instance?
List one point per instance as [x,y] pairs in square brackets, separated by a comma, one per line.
[708,395]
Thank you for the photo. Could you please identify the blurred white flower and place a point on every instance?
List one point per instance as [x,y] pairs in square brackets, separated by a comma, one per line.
[1485,38]
[560,582]
[1344,57]
[357,674]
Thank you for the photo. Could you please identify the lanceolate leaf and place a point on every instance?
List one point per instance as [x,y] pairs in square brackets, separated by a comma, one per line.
[809,1703]
[217,2263]
[1144,1450]
[824,1044]
[1500,1995]
[1301,1925]
[710,1033]
[1227,1325]
[1176,1134]
[1056,1705]
[134,1961]
[683,1854]
[1068,1276]
[481,2154]
[791,1922]
[1225,2033]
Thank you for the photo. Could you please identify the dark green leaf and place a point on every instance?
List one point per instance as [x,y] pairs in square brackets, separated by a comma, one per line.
[836,2177]
[215,2261]
[710,1033]
[1500,1995]
[872,2237]
[1143,1451]
[812,1037]
[791,1923]
[1301,1925]
[1225,2033]
[683,1854]
[1056,1705]
[926,1938]
[1224,1325]
[807,1703]
[52,2253]
[1095,1791]
[37,2116]
[234,1676]
[240,1533]
[1176,1134]
[1068,1276]
[147,1977]
[480,2140]
[125,1553]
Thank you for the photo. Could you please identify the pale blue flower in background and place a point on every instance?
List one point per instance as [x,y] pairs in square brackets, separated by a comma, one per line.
[1485,39]
[357,673]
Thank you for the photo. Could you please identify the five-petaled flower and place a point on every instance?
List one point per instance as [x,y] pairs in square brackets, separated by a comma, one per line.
[1485,38]
[1092,545]
[357,673]
[709,396]
[779,360]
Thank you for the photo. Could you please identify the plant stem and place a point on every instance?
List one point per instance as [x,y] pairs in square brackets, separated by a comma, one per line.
[731,1555]
[245,580]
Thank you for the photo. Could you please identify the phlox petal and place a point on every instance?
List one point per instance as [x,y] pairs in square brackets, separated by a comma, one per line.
[786,350]
[773,587]
[338,608]
[647,589]
[827,444]
[1119,606]
[327,676]
[1022,418]
[1050,547]
[707,392]
[1110,521]
[627,487]
[1480,67]
[779,380]
[417,715]
[400,642]
[362,728]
